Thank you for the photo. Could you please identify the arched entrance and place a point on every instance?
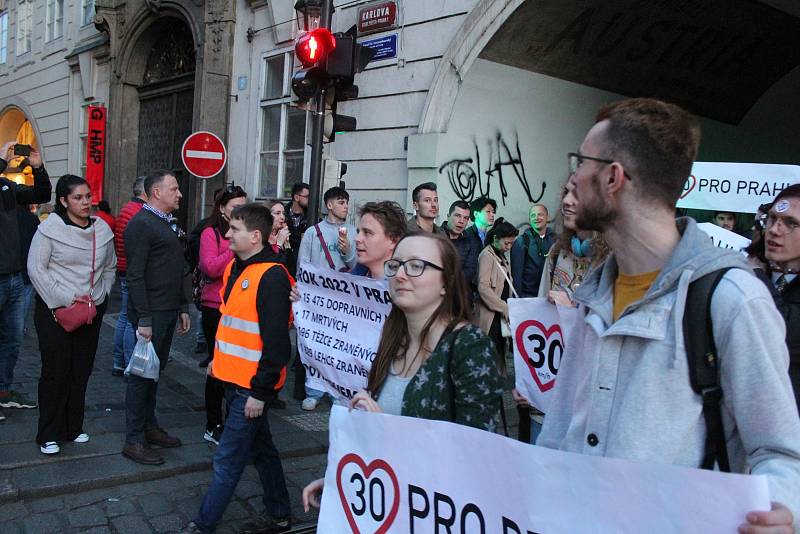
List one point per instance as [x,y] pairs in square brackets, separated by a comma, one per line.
[166,105]
[15,125]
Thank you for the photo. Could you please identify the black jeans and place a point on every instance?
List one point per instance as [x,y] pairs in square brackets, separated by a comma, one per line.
[67,360]
[215,390]
[140,397]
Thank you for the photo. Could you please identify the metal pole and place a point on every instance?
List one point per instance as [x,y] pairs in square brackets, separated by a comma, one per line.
[203,199]
[317,131]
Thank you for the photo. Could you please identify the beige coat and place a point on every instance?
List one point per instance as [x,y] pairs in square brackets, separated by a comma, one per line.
[490,288]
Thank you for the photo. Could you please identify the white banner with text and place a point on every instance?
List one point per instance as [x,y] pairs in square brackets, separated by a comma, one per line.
[339,319]
[400,474]
[539,333]
[723,238]
[736,187]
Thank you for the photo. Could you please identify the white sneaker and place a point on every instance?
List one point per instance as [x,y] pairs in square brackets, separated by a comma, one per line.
[309,403]
[82,438]
[50,447]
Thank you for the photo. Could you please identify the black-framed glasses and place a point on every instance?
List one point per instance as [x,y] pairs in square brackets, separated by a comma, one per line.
[575,160]
[413,267]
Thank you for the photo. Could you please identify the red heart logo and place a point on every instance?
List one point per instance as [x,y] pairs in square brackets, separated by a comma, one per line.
[367,470]
[519,337]
[688,188]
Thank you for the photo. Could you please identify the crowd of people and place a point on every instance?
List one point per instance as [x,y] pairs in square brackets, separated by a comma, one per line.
[615,250]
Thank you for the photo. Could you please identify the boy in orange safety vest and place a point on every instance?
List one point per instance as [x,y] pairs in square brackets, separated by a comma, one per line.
[251,351]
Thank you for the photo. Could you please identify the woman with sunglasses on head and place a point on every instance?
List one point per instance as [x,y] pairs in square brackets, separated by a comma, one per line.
[71,262]
[214,258]
[428,341]
[495,285]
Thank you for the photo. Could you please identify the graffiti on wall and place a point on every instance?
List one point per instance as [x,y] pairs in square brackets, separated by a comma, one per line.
[476,176]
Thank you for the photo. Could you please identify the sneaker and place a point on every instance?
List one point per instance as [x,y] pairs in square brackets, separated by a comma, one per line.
[214,434]
[263,524]
[158,436]
[309,403]
[50,447]
[191,528]
[83,437]
[15,399]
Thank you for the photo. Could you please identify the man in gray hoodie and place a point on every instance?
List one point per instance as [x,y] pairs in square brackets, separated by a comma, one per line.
[623,386]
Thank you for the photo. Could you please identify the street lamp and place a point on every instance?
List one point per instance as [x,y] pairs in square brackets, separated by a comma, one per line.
[311,11]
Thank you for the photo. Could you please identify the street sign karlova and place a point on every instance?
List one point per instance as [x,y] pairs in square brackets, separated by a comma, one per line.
[204,154]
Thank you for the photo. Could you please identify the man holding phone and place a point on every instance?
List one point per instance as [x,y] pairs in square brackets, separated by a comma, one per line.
[12,318]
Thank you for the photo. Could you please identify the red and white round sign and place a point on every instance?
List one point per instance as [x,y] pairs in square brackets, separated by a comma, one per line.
[204,154]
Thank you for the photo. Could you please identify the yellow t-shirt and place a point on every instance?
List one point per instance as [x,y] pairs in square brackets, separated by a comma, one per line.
[630,288]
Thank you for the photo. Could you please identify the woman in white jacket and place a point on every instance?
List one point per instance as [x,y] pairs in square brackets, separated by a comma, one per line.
[60,265]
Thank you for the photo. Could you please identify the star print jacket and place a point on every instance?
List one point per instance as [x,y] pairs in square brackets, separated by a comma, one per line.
[472,394]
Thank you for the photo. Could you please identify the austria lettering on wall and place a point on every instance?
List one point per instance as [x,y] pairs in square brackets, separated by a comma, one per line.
[390,474]
[339,320]
[737,187]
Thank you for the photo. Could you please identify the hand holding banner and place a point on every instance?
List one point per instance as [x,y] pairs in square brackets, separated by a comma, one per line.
[384,476]
[339,320]
[539,329]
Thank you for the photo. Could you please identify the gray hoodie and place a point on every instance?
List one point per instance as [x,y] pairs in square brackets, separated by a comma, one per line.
[625,383]
[60,261]
[311,247]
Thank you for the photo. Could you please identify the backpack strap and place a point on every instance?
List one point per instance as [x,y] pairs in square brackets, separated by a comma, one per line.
[701,353]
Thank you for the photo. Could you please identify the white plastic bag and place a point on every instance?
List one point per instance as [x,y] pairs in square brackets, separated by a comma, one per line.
[144,360]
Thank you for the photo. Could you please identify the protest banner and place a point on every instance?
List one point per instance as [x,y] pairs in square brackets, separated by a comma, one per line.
[400,474]
[539,330]
[338,319]
[723,238]
[736,187]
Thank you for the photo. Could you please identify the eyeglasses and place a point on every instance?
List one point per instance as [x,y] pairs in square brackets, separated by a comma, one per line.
[575,160]
[413,267]
[789,224]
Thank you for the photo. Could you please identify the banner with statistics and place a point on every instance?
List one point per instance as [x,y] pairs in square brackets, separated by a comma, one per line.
[736,187]
[339,319]
[401,474]
[539,331]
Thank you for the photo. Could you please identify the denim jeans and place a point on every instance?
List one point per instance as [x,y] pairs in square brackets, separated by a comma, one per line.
[124,333]
[12,304]
[243,437]
[27,300]
[536,429]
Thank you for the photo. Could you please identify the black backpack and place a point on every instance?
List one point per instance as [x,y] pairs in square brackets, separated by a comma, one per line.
[701,352]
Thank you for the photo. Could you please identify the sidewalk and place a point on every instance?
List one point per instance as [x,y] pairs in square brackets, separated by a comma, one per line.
[93,485]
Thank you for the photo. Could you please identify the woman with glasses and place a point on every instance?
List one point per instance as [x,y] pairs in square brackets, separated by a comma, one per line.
[279,238]
[214,258]
[431,361]
[495,285]
[780,274]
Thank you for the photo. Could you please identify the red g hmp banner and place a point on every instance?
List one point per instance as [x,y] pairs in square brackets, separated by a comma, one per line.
[96,151]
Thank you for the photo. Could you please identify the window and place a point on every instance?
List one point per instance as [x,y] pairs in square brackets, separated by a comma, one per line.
[283,131]
[3,36]
[55,19]
[88,11]
[24,26]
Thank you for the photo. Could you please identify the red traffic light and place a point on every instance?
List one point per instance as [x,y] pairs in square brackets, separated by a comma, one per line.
[314,46]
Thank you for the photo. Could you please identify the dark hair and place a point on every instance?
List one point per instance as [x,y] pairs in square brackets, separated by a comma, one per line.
[456,307]
[298,187]
[66,184]
[104,207]
[335,193]
[478,204]
[656,141]
[500,229]
[226,195]
[719,212]
[390,215]
[427,186]
[155,178]
[255,216]
[460,204]
[138,186]
[793,191]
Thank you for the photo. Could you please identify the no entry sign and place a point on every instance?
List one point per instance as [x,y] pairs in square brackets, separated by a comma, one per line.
[204,154]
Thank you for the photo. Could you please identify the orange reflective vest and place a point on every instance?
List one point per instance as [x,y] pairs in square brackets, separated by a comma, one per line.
[238,345]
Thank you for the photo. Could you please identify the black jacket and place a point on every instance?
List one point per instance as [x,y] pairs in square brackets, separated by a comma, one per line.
[788,303]
[528,257]
[11,195]
[157,272]
[274,309]
[469,248]
[296,231]
[28,223]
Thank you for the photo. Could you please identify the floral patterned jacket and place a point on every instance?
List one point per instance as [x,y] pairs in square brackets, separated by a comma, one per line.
[477,386]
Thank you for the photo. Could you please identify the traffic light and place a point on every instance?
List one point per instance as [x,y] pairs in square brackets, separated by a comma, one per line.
[312,50]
